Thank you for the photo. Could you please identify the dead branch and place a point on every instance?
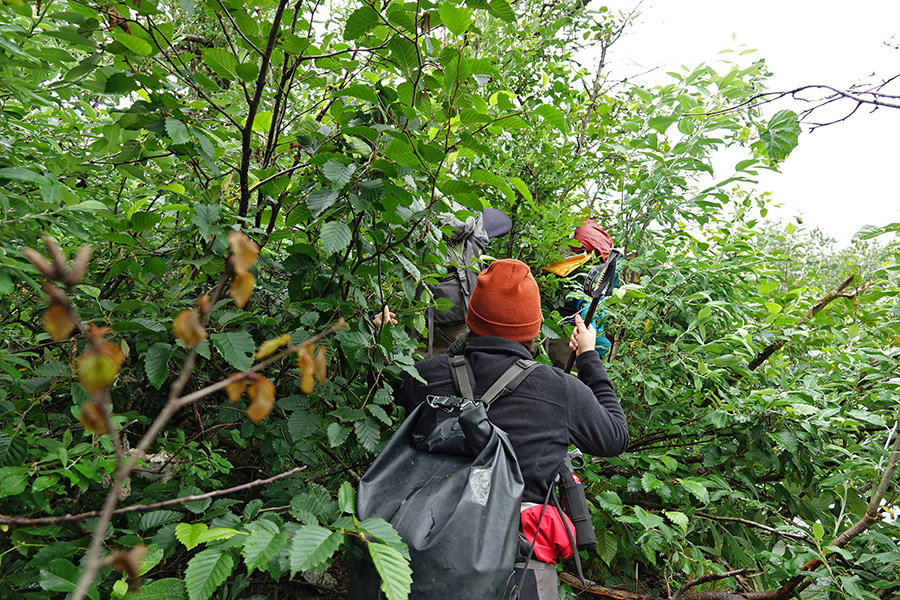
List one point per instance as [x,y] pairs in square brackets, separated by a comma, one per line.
[706,579]
[812,312]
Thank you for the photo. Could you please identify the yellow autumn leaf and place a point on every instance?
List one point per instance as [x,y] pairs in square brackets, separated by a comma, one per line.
[262,399]
[270,346]
[244,250]
[307,365]
[58,322]
[92,418]
[99,365]
[241,288]
[188,328]
[235,389]
[321,370]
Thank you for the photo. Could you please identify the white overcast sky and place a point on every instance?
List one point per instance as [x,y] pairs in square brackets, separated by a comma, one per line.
[841,177]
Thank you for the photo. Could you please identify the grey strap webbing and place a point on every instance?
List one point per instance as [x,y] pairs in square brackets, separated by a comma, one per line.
[505,384]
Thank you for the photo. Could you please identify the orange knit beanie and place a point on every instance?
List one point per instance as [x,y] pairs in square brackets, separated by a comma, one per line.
[505,302]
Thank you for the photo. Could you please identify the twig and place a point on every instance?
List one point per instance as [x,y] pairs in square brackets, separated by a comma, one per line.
[42,521]
[707,578]
[772,530]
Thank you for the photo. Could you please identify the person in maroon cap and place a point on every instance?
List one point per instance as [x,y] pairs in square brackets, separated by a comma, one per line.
[543,416]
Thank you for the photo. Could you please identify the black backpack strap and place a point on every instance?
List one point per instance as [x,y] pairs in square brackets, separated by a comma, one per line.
[509,381]
[462,376]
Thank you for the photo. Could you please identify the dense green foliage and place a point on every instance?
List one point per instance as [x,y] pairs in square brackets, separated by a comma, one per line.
[762,409]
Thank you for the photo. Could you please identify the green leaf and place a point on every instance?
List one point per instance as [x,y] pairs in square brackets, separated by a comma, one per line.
[158,518]
[495,181]
[222,62]
[319,200]
[178,131]
[189,534]
[263,543]
[12,451]
[818,531]
[607,546]
[679,518]
[13,480]
[384,532]
[335,237]
[156,363]
[697,489]
[59,575]
[236,347]
[404,55]
[162,589]
[522,188]
[337,434]
[380,414]
[134,44]
[347,498]
[206,572]
[502,10]
[611,502]
[401,153]
[247,71]
[362,92]
[302,424]
[395,572]
[20,174]
[780,135]
[552,115]
[648,520]
[456,18]
[360,22]
[338,173]
[368,433]
[312,546]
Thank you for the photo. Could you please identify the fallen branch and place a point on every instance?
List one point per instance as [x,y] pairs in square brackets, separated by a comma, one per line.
[706,579]
[69,518]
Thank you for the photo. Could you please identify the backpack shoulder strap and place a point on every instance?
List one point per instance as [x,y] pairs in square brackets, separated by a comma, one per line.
[462,376]
[510,380]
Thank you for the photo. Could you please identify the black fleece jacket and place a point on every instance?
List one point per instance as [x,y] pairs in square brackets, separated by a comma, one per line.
[547,412]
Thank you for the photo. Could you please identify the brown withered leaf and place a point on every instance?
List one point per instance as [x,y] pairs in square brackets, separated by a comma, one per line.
[58,322]
[41,263]
[236,388]
[241,288]
[270,346]
[262,399]
[188,328]
[130,561]
[244,250]
[204,305]
[79,265]
[92,418]
[99,365]
[321,366]
[307,365]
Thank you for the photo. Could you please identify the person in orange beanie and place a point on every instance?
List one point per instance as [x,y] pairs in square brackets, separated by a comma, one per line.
[546,413]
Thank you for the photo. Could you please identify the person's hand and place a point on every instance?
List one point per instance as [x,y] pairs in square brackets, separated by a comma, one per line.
[386,316]
[584,337]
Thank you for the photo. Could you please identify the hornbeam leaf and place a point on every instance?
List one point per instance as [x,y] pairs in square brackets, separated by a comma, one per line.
[368,433]
[780,135]
[456,18]
[236,347]
[262,544]
[206,572]
[335,236]
[401,153]
[552,115]
[222,62]
[502,10]
[361,92]
[12,451]
[404,54]
[360,22]
[384,532]
[178,131]
[395,572]
[156,363]
[319,200]
[495,181]
[312,546]
[170,588]
[697,489]
[135,44]
[338,173]
[607,546]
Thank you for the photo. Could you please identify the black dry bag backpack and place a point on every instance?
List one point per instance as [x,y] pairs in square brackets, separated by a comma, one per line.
[449,483]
